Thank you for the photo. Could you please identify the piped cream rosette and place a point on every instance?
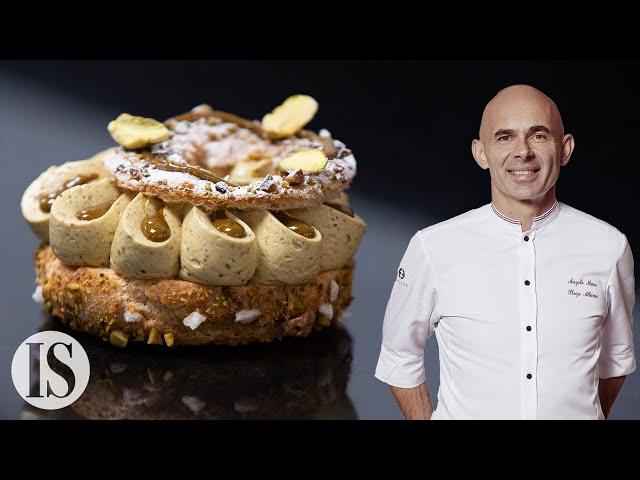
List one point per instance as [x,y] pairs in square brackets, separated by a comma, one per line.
[79,242]
[341,233]
[133,254]
[51,183]
[212,257]
[284,256]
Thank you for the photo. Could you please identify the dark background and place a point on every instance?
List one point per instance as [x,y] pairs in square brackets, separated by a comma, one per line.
[409,123]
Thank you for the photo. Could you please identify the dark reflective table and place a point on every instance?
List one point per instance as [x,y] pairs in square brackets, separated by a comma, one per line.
[290,379]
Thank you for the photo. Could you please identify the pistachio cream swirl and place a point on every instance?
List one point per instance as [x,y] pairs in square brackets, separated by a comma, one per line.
[83,221]
[341,231]
[217,249]
[284,256]
[147,241]
[40,195]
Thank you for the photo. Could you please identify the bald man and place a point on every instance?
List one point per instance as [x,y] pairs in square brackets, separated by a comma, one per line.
[531,300]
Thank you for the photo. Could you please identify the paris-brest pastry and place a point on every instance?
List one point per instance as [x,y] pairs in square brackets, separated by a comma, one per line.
[204,229]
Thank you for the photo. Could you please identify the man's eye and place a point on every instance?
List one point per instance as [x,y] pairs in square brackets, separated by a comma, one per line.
[540,136]
[504,138]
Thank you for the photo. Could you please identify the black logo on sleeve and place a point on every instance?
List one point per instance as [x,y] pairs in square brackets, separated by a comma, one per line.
[401,275]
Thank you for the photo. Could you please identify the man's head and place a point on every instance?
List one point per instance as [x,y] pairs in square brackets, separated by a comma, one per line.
[522,143]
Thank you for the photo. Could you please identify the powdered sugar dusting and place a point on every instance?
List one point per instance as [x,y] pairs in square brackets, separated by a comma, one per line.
[213,143]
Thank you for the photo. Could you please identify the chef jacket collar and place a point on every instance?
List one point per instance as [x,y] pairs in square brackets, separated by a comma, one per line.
[538,222]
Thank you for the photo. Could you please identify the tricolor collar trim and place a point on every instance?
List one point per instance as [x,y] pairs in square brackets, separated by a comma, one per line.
[537,221]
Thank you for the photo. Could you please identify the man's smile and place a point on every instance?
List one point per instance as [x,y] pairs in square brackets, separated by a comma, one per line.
[524,174]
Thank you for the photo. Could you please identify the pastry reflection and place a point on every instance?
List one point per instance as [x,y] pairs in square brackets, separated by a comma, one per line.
[297,378]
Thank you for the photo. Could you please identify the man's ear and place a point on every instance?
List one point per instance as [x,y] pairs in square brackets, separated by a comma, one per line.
[568,143]
[478,153]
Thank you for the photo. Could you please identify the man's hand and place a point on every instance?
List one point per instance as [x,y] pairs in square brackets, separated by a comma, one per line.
[608,389]
[415,402]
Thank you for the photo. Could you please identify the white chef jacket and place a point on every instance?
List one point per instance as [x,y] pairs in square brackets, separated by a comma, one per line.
[526,322]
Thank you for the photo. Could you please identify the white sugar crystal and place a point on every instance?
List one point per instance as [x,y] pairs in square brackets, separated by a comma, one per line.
[132,317]
[245,405]
[343,316]
[129,394]
[194,320]
[326,309]
[118,367]
[247,316]
[194,403]
[203,107]
[37,295]
[332,392]
[325,377]
[335,289]
[27,415]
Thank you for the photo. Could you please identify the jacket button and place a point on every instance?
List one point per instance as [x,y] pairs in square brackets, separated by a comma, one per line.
[527,282]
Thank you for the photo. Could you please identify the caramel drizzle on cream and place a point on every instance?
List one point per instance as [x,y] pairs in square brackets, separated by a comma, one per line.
[95,211]
[46,200]
[226,225]
[154,227]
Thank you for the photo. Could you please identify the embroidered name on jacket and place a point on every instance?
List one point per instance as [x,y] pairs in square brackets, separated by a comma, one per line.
[584,286]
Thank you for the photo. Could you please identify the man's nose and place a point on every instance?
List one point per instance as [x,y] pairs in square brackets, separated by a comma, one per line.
[522,150]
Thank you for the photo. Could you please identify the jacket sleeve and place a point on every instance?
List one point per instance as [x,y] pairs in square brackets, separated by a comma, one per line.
[617,356]
[409,319]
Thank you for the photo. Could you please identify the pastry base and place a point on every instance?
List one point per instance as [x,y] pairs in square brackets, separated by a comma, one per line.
[94,300]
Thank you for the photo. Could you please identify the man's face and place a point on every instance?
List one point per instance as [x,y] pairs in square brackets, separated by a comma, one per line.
[522,144]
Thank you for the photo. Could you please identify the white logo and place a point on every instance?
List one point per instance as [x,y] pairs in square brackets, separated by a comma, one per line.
[42,386]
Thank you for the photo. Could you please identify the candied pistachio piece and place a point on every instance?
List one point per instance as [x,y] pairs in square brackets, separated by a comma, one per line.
[309,161]
[324,321]
[296,177]
[289,118]
[119,339]
[268,184]
[154,337]
[137,132]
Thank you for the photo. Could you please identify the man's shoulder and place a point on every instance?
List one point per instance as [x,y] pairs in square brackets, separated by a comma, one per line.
[444,228]
[594,225]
